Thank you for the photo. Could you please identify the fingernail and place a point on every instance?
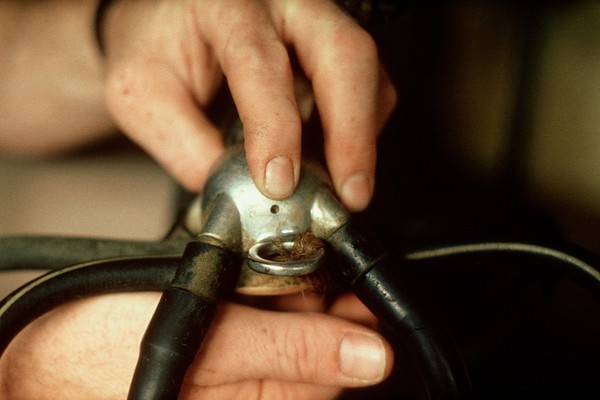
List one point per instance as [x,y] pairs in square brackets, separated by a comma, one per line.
[362,357]
[356,191]
[279,177]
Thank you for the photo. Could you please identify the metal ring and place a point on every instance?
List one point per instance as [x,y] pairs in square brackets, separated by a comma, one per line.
[263,258]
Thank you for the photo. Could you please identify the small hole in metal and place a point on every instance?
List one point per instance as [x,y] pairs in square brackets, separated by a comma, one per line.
[274,209]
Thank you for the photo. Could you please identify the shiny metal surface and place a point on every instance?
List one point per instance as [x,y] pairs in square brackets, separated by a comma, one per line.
[233,212]
[267,258]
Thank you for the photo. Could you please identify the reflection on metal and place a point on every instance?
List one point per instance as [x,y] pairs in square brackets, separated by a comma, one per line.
[233,213]
[284,258]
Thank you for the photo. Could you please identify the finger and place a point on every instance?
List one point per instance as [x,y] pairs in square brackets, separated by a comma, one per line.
[267,389]
[153,107]
[351,92]
[306,301]
[257,66]
[349,307]
[296,347]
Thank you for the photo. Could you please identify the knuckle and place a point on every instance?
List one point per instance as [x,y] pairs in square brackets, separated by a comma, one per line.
[299,356]
[352,42]
[265,60]
[124,84]
[249,45]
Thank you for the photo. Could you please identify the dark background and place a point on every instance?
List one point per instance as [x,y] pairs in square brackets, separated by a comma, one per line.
[524,333]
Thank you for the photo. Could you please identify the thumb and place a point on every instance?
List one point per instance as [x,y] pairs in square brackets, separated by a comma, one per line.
[307,348]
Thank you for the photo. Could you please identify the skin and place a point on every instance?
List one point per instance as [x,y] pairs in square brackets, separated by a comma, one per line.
[159,81]
[88,349]
[164,62]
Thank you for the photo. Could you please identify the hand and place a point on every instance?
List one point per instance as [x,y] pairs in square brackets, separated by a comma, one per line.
[88,349]
[166,59]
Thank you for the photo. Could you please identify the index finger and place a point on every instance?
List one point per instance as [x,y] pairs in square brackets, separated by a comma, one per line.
[352,94]
[256,63]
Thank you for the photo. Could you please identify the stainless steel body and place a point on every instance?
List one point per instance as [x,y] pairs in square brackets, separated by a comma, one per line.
[233,212]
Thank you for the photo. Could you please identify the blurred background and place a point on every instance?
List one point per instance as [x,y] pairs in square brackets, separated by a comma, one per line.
[496,137]
[111,191]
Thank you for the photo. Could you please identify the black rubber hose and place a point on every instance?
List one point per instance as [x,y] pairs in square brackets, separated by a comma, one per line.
[374,287]
[170,344]
[564,260]
[94,278]
[369,271]
[181,320]
[431,346]
[51,252]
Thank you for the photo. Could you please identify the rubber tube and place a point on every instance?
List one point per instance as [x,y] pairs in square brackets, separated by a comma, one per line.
[368,270]
[182,320]
[370,274]
[170,344]
[564,260]
[52,252]
[94,278]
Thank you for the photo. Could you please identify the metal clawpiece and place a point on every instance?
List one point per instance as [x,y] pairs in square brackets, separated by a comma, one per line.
[232,211]
[235,218]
